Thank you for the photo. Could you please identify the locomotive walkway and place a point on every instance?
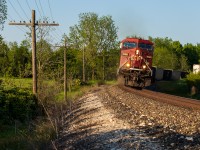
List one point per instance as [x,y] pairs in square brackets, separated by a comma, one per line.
[111,118]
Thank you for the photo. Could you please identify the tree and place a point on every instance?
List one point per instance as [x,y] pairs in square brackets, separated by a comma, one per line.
[165,59]
[44,54]
[169,54]
[4,59]
[20,60]
[190,51]
[3,13]
[93,35]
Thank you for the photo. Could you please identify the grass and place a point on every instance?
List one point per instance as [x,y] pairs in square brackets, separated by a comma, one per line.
[37,134]
[179,88]
[21,138]
[31,134]
[17,82]
[78,91]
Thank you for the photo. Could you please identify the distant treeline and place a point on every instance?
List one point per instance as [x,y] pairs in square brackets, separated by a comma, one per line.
[92,46]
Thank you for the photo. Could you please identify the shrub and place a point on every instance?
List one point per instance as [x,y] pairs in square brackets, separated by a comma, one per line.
[193,80]
[17,104]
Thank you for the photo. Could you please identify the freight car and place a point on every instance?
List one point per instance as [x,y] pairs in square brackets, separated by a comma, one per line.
[135,62]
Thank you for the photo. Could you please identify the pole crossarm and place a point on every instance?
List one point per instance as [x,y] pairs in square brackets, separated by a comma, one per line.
[36,24]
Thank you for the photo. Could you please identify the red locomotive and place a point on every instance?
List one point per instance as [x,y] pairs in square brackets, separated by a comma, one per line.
[136,62]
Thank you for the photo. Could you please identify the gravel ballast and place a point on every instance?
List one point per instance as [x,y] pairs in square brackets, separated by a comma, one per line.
[110,118]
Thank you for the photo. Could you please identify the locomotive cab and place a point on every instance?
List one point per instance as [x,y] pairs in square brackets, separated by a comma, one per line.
[136,62]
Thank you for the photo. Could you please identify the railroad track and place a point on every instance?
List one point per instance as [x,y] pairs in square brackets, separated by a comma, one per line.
[165,98]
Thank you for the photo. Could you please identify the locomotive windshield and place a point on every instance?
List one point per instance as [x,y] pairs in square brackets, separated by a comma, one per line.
[145,46]
[128,45]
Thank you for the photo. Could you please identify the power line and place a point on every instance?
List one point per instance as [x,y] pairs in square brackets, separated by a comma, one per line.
[28,5]
[38,9]
[60,31]
[53,19]
[23,10]
[41,8]
[56,36]
[15,10]
[20,28]
[50,10]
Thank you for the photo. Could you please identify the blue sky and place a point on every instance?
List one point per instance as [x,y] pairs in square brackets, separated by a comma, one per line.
[176,19]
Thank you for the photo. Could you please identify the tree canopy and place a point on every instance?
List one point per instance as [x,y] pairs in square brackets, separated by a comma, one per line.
[91,46]
[3,13]
[94,36]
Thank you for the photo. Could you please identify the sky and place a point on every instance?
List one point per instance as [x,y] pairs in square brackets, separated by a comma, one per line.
[175,19]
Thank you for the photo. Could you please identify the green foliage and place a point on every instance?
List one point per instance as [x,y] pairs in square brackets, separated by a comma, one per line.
[3,13]
[179,87]
[4,57]
[16,104]
[94,36]
[169,54]
[193,79]
[191,52]
[168,62]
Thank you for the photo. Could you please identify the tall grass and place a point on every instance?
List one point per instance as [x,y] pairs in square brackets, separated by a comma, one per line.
[38,133]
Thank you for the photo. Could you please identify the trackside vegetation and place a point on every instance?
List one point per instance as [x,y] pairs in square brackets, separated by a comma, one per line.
[30,121]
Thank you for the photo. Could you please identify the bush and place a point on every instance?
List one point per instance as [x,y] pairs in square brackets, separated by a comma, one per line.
[193,81]
[101,82]
[17,104]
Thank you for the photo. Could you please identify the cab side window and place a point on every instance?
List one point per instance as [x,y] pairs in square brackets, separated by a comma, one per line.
[129,45]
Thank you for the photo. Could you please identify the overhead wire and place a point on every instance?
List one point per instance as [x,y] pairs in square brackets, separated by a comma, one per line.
[15,10]
[54,31]
[23,10]
[49,27]
[54,34]
[41,8]
[38,9]
[50,11]
[58,29]
[19,27]
[28,5]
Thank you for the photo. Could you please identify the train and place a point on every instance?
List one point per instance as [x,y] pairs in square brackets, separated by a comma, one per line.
[135,67]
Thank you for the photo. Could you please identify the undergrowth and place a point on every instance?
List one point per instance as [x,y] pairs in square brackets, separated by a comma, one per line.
[30,123]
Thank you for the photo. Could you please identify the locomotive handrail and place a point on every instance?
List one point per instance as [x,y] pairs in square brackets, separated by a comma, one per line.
[148,66]
[123,64]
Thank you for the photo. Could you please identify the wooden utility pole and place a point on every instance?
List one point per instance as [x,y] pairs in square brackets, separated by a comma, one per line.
[33,24]
[65,71]
[84,65]
[34,65]
[65,68]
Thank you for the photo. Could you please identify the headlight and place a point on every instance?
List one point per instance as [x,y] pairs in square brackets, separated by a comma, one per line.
[137,52]
[144,66]
[128,65]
